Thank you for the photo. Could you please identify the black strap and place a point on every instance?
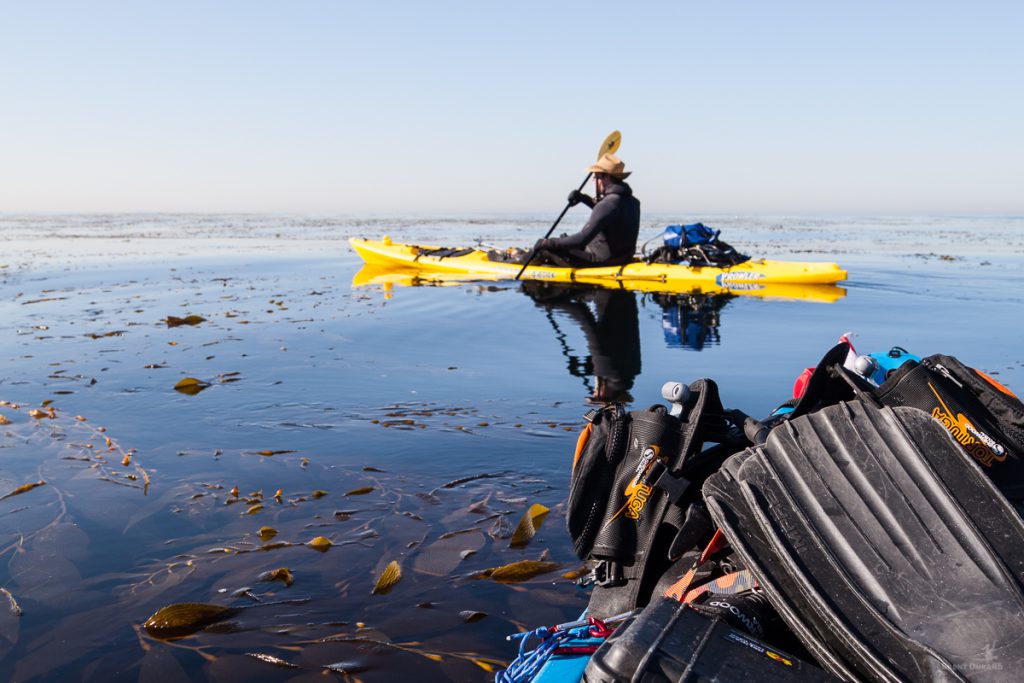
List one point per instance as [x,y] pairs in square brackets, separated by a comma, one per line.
[672,485]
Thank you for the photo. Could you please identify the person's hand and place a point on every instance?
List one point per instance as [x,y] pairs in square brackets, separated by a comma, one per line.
[542,244]
[577,197]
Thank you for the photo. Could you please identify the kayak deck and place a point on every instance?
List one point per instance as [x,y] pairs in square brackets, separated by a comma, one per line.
[760,271]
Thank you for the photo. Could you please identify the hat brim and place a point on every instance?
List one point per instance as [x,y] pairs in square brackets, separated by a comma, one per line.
[599,169]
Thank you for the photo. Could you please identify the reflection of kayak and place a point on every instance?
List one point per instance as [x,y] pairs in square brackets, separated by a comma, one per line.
[405,276]
[476,262]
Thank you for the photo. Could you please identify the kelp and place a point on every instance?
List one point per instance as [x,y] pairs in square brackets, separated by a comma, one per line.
[390,576]
[191,386]
[23,488]
[182,619]
[523,570]
[271,659]
[282,574]
[190,320]
[528,525]
[320,543]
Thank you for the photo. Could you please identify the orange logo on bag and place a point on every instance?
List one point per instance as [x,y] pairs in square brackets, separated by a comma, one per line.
[980,445]
[636,492]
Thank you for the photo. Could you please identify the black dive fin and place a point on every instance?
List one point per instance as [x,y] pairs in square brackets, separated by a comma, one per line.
[888,551]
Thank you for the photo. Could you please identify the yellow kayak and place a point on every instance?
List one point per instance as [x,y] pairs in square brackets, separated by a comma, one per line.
[674,276]
[389,277]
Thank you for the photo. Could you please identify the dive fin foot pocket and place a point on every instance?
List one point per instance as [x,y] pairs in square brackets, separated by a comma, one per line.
[886,549]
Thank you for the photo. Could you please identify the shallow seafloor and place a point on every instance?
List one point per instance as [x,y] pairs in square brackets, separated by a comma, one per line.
[407,424]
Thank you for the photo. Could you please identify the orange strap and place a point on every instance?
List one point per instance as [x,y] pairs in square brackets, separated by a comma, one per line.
[729,584]
[680,589]
[996,384]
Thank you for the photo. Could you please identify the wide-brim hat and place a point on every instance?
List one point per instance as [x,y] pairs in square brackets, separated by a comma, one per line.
[610,164]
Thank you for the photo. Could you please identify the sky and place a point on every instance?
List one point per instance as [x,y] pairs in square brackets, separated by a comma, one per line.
[484,107]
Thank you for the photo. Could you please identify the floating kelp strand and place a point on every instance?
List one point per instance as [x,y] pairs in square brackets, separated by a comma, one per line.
[191,386]
[485,663]
[459,532]
[13,604]
[282,574]
[362,491]
[474,477]
[523,570]
[182,619]
[23,488]
[190,320]
[528,525]
[271,659]
[388,578]
[320,543]
[346,668]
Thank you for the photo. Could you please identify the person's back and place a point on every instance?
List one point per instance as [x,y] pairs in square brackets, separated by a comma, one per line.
[617,215]
[610,236]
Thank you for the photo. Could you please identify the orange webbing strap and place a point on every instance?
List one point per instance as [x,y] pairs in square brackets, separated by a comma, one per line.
[730,584]
[680,589]
[581,443]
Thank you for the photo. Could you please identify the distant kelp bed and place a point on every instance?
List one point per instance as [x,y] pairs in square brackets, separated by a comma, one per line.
[231,464]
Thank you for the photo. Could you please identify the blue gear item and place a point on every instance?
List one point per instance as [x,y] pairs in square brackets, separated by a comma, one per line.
[890,361]
[682,236]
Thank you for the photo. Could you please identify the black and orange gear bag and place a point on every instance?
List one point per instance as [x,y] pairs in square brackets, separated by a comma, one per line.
[634,498]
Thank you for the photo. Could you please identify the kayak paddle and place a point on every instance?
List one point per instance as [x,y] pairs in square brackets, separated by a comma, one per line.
[610,144]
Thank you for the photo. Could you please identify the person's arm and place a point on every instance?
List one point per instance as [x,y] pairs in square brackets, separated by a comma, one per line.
[600,217]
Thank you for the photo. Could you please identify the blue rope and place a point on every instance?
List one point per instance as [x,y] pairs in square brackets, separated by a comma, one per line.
[528,664]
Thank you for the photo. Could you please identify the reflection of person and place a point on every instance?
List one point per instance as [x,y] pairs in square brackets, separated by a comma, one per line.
[609,237]
[612,331]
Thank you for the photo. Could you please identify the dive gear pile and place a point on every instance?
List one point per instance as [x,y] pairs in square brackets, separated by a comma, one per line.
[695,245]
[873,530]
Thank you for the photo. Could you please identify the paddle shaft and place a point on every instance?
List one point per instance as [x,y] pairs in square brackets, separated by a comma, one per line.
[554,225]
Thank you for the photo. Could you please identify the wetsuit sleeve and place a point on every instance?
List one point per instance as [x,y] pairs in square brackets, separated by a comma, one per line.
[600,218]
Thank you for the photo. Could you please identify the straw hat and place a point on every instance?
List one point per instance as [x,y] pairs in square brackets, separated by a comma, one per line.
[610,165]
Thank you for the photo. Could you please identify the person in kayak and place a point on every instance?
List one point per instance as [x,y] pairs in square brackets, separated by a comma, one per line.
[609,237]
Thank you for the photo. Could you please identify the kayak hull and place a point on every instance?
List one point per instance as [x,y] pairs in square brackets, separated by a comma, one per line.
[755,271]
[392,276]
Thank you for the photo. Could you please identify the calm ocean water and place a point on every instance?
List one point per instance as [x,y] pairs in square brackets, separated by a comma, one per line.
[458,406]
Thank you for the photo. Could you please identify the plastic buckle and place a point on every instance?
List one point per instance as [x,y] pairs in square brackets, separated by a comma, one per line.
[608,574]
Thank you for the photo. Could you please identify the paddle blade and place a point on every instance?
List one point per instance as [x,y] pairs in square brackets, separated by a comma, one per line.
[610,144]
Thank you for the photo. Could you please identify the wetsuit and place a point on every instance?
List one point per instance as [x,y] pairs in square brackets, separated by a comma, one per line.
[608,238]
